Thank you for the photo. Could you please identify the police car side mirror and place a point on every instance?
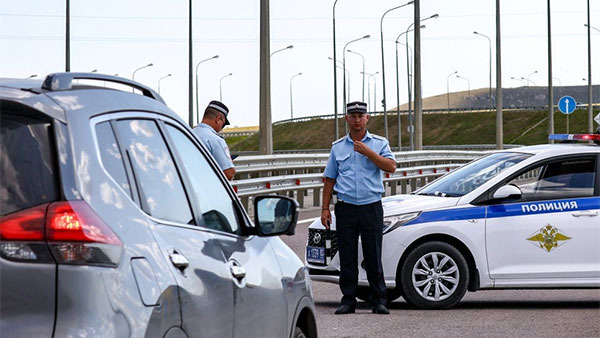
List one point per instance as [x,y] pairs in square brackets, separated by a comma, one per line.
[507,191]
[275,215]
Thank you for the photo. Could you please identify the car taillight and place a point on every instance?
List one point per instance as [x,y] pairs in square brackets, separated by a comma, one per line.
[72,231]
[22,236]
[76,235]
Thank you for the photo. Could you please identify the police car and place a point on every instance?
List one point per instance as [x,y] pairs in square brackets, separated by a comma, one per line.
[523,218]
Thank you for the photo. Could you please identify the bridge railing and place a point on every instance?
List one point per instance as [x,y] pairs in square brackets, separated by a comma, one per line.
[298,175]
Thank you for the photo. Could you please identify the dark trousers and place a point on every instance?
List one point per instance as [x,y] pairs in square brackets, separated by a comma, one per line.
[366,221]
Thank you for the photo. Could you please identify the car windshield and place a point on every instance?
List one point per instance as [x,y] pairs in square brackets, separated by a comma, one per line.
[471,176]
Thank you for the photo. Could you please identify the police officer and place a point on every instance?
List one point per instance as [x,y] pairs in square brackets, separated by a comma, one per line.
[355,170]
[213,121]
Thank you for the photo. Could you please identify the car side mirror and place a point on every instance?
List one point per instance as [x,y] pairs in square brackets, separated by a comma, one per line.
[275,215]
[507,191]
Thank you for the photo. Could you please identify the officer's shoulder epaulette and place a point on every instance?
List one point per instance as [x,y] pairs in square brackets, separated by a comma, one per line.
[338,140]
[379,137]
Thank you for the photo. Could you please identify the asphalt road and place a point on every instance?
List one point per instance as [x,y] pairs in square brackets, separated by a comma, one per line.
[494,313]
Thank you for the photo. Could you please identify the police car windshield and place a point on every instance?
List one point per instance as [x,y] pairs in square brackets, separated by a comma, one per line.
[471,176]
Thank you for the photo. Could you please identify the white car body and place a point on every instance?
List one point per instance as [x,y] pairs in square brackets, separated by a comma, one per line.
[502,242]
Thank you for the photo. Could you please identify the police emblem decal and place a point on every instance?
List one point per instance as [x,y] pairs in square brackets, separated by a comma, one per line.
[548,238]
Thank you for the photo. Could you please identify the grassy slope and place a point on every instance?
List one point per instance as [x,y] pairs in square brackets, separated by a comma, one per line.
[438,129]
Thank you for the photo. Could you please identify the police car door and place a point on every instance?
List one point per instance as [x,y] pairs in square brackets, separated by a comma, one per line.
[553,229]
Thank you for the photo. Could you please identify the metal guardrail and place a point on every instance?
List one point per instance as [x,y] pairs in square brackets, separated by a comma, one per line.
[298,173]
[475,147]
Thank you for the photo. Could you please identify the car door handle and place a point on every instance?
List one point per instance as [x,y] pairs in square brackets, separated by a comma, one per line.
[585,213]
[179,261]
[237,271]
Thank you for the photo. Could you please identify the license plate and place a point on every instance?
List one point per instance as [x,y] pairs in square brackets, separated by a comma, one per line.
[315,254]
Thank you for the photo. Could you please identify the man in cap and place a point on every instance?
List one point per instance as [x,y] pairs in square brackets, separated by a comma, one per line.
[355,169]
[213,121]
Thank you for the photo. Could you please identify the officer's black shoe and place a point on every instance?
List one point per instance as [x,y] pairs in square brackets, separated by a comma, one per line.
[380,309]
[344,309]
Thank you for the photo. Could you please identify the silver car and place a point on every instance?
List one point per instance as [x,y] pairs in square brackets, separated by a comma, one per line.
[116,222]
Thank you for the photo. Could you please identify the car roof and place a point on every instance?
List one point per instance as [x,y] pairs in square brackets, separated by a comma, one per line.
[60,94]
[543,150]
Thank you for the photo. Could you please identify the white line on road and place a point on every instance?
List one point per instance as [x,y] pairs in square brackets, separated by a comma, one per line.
[310,220]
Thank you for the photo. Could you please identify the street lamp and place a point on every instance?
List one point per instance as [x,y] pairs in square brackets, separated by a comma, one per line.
[221,87]
[490,42]
[282,49]
[469,90]
[196,73]
[522,80]
[335,101]
[385,124]
[291,101]
[339,65]
[557,79]
[161,80]
[409,77]
[535,72]
[448,88]
[372,76]
[363,72]
[344,66]
[592,27]
[146,66]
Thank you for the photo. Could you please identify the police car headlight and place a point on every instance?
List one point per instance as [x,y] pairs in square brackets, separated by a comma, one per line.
[392,222]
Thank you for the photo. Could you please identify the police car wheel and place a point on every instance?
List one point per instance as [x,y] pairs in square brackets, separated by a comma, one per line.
[435,275]
[298,333]
[362,293]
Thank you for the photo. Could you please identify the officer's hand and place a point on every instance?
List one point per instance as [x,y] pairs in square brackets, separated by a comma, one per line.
[362,148]
[325,218]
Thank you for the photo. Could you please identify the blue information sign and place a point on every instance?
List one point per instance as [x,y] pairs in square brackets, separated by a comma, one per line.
[566,104]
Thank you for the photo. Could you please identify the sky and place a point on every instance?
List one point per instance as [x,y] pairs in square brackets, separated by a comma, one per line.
[119,36]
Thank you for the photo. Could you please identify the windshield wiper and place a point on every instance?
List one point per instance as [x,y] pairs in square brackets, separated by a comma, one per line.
[438,194]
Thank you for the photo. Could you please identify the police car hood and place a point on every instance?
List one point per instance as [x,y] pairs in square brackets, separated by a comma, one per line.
[400,204]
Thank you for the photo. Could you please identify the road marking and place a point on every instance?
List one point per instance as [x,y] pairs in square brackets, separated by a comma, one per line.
[310,220]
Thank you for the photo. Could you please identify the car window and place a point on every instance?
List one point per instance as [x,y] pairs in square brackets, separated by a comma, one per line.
[471,176]
[161,191]
[111,155]
[559,179]
[217,207]
[27,176]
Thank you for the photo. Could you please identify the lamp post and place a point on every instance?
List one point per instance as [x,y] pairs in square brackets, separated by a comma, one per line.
[372,76]
[527,79]
[335,106]
[384,101]
[142,67]
[535,72]
[161,80]
[282,49]
[448,89]
[408,77]
[344,66]
[411,115]
[363,72]
[522,80]
[291,101]
[590,98]
[339,65]
[557,79]
[221,87]
[469,90]
[490,42]
[196,77]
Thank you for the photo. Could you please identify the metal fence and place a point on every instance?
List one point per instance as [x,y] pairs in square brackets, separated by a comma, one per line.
[301,175]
